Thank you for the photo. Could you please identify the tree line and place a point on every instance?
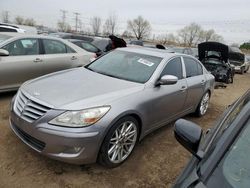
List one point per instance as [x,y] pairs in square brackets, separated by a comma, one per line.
[138,28]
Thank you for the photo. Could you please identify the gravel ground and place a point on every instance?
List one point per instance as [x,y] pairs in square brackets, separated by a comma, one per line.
[156,161]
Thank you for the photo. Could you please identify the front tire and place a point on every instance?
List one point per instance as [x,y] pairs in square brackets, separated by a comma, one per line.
[203,105]
[119,142]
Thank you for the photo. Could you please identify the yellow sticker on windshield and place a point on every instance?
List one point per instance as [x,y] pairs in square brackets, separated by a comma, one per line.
[145,62]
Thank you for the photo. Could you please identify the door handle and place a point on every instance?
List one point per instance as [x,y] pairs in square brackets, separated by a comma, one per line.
[202,82]
[73,58]
[37,60]
[183,88]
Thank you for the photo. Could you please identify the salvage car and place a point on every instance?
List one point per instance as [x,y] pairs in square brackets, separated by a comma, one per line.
[100,111]
[238,59]
[220,155]
[214,57]
[29,56]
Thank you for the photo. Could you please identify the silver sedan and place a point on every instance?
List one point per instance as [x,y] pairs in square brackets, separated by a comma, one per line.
[99,112]
[24,57]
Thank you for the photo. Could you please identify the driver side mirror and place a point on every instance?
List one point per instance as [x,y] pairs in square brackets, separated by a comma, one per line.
[188,134]
[4,52]
[167,80]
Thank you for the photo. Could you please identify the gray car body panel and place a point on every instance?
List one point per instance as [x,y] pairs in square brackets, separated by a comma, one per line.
[77,89]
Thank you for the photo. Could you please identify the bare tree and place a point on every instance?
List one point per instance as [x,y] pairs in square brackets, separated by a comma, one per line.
[191,34]
[19,20]
[30,22]
[210,35]
[63,26]
[166,39]
[110,25]
[95,23]
[140,27]
[5,16]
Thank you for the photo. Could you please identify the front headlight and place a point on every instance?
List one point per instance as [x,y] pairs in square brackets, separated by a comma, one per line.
[80,118]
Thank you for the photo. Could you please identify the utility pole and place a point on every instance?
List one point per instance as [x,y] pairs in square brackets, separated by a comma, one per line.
[77,14]
[6,16]
[63,16]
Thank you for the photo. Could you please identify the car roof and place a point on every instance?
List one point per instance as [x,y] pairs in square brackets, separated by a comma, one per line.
[150,51]
[21,35]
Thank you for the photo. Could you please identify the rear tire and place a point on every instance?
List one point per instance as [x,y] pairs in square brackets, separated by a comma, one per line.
[203,105]
[119,142]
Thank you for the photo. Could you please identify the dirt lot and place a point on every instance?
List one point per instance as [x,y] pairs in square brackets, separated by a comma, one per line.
[156,161]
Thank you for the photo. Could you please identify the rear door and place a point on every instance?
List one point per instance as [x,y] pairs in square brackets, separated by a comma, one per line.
[58,56]
[21,64]
[196,81]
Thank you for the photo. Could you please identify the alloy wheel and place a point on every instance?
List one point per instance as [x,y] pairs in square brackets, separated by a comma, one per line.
[122,142]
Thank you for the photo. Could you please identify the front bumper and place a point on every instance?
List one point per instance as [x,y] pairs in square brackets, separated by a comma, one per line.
[71,145]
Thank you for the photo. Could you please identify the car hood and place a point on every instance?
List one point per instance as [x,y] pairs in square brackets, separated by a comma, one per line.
[213,46]
[79,88]
[236,56]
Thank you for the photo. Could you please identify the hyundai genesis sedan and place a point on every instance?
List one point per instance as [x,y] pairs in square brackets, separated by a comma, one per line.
[100,111]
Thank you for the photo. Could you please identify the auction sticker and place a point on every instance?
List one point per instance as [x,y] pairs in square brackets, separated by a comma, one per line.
[145,62]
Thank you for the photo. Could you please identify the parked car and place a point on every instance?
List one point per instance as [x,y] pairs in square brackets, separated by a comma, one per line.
[72,36]
[182,50]
[221,155]
[195,52]
[87,46]
[99,112]
[29,56]
[136,42]
[104,44]
[10,28]
[214,57]
[237,58]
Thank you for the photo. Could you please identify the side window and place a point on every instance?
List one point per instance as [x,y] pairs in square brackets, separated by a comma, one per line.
[23,47]
[173,67]
[193,68]
[70,50]
[54,47]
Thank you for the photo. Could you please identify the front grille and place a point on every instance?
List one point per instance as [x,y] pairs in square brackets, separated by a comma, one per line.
[37,144]
[28,109]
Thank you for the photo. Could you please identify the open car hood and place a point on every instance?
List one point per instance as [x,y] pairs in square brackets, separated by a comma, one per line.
[236,55]
[213,46]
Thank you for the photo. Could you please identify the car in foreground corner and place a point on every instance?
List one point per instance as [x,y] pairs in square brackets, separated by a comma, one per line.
[221,155]
[100,111]
[30,56]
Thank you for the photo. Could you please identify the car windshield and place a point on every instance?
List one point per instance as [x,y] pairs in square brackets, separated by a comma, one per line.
[236,165]
[126,65]
[3,38]
[101,43]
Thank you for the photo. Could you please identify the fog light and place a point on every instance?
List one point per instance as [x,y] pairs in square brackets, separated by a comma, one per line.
[72,150]
[77,149]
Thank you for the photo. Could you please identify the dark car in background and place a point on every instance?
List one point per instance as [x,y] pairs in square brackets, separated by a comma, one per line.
[87,46]
[237,58]
[214,57]
[71,36]
[221,155]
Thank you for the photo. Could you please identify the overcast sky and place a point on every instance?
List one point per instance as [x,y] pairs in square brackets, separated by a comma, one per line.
[230,18]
